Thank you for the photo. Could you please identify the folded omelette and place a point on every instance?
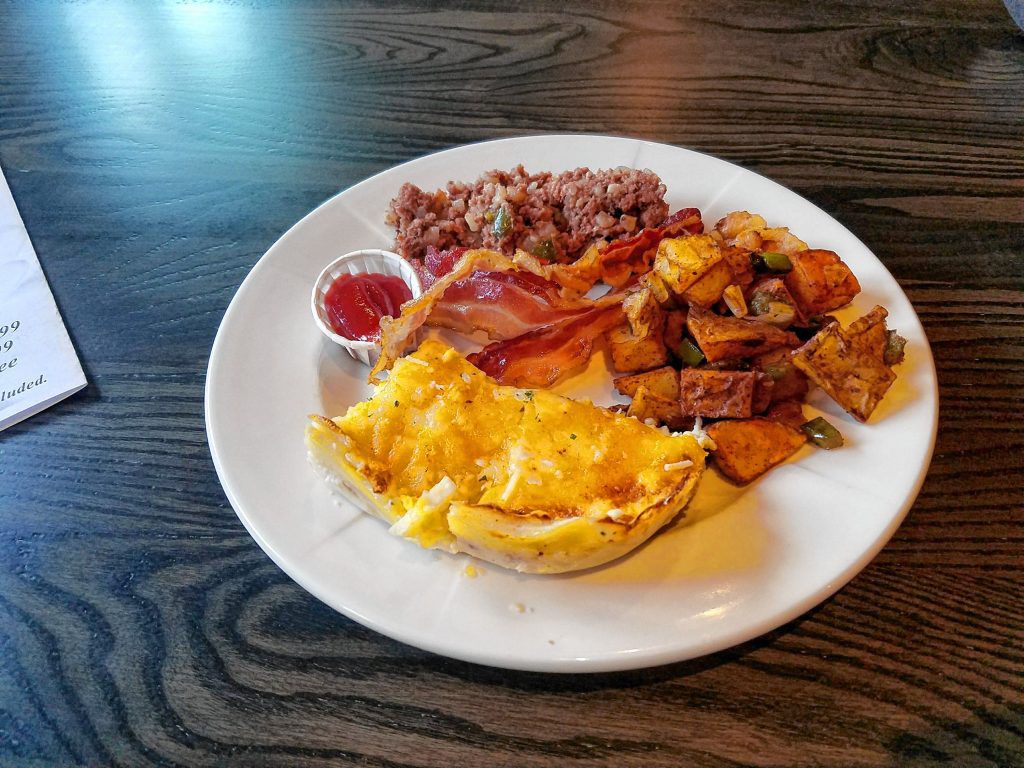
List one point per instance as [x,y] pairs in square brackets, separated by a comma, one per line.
[522,478]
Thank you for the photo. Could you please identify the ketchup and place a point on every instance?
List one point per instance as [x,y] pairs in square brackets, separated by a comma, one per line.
[356,303]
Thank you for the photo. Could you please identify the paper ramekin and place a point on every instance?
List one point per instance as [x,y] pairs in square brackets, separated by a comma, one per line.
[366,261]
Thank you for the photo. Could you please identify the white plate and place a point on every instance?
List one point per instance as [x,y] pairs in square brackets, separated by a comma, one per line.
[742,563]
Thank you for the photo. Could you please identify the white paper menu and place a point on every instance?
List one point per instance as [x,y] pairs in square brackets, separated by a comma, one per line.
[38,365]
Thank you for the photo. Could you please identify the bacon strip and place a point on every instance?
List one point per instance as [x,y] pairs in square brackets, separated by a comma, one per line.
[397,332]
[541,357]
[622,258]
[436,264]
[504,304]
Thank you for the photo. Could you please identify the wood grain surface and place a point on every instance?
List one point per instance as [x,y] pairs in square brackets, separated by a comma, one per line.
[157,150]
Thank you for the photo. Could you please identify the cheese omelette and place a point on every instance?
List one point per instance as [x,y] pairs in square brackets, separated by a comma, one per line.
[522,478]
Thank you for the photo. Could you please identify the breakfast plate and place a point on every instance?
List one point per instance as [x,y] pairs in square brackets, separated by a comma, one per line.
[742,562]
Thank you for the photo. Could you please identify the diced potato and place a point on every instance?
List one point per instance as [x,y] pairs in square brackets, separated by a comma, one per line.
[820,282]
[750,231]
[780,240]
[848,364]
[790,381]
[770,239]
[716,394]
[742,269]
[642,312]
[733,298]
[647,405]
[788,412]
[732,224]
[763,386]
[722,338]
[868,334]
[658,289]
[749,448]
[675,329]
[683,261]
[663,382]
[631,353]
[710,286]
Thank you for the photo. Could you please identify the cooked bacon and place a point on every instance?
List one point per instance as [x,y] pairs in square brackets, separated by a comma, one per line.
[397,332]
[618,261]
[574,279]
[503,304]
[440,263]
[541,357]
[436,264]
[638,251]
[427,279]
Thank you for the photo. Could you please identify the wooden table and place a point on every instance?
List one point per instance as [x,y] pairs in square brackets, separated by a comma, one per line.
[156,152]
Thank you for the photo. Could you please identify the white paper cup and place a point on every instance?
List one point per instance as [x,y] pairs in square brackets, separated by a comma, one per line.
[366,261]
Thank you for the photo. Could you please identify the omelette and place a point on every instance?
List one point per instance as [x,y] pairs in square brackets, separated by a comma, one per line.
[522,478]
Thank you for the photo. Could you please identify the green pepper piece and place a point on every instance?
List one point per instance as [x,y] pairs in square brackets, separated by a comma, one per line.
[758,304]
[545,249]
[502,223]
[689,354]
[779,370]
[765,306]
[776,262]
[894,347]
[822,434]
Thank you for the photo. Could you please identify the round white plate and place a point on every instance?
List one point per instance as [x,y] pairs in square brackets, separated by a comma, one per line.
[743,562]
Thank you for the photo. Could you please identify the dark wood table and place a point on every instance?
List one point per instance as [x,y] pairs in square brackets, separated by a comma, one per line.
[157,151]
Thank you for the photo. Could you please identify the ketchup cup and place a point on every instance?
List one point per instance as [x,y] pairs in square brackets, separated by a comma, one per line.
[366,261]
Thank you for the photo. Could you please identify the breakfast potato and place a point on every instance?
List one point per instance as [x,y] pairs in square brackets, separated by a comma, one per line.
[675,328]
[740,265]
[710,286]
[790,381]
[770,240]
[751,232]
[648,405]
[820,281]
[722,338]
[632,353]
[658,288]
[662,382]
[643,312]
[732,224]
[849,364]
[682,263]
[763,387]
[748,448]
[716,394]
[788,412]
